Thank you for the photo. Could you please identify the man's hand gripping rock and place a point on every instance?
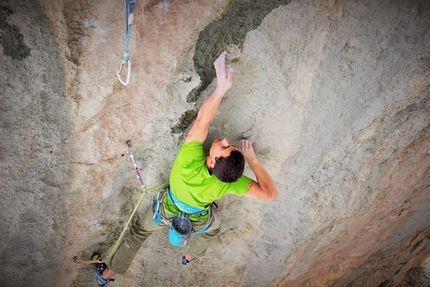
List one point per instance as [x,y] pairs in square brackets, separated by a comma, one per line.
[224,75]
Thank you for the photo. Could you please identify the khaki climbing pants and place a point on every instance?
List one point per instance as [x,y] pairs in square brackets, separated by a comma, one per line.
[144,226]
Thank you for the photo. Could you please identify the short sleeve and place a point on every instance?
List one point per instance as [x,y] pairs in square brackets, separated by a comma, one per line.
[240,186]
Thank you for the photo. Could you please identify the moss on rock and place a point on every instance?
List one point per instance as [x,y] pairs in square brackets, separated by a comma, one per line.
[11,38]
[240,17]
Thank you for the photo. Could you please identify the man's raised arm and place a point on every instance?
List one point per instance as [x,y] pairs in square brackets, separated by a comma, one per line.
[207,112]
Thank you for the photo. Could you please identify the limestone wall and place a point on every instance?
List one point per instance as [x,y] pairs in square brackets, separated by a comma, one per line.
[335,93]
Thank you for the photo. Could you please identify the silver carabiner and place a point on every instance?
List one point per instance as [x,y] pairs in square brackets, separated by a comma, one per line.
[128,63]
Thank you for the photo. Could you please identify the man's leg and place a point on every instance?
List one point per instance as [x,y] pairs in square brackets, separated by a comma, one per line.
[131,243]
[201,241]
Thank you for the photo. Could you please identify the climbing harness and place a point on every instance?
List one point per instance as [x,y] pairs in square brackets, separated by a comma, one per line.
[129,15]
[179,233]
[157,216]
[183,207]
[180,226]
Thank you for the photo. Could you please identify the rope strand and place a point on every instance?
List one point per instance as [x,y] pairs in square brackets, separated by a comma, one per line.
[115,247]
[144,192]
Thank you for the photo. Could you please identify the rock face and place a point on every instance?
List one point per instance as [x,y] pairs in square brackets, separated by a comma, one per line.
[335,93]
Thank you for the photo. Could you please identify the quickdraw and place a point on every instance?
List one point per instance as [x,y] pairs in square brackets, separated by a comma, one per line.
[129,16]
[135,169]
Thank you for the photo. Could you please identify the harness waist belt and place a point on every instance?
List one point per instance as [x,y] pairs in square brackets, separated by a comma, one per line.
[183,206]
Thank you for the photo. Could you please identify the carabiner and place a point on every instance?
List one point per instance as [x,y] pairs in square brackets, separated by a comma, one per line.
[128,63]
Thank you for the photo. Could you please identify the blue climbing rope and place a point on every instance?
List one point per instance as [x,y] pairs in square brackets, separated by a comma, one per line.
[129,15]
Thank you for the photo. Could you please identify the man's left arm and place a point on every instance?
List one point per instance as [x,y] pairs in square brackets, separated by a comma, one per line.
[264,187]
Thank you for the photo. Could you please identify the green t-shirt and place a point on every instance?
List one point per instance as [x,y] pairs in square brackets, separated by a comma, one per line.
[192,183]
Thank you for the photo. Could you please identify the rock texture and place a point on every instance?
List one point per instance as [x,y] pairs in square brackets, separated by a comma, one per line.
[336,95]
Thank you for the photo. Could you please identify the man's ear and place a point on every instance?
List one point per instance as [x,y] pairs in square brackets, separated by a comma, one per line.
[212,162]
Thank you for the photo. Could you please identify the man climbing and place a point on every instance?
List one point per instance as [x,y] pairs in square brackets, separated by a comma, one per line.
[196,181]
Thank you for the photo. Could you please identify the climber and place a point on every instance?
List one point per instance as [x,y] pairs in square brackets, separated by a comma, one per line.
[196,181]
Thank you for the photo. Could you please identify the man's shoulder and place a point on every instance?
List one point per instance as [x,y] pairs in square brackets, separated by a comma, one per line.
[192,144]
[190,156]
[191,149]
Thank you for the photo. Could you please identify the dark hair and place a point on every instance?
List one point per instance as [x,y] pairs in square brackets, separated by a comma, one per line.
[229,169]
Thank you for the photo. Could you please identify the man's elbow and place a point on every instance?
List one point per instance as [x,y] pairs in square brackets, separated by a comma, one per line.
[272,194]
[269,194]
[262,192]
